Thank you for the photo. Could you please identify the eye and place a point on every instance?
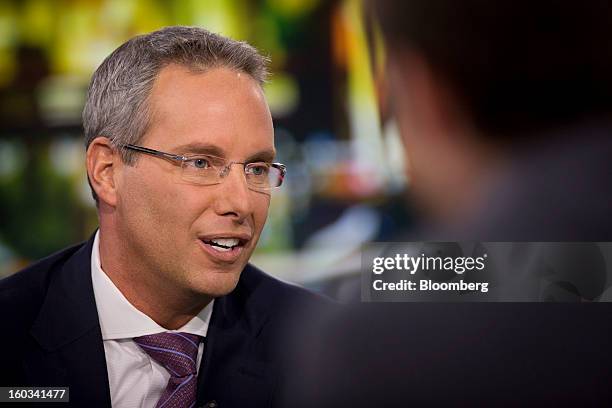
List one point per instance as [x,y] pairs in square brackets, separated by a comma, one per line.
[257,169]
[200,163]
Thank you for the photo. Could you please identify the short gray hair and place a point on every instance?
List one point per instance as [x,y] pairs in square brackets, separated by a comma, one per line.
[116,105]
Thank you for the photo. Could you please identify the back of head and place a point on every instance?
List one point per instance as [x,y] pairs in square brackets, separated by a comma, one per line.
[516,66]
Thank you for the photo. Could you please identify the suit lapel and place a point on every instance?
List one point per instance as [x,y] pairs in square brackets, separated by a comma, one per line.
[230,366]
[71,349]
[67,329]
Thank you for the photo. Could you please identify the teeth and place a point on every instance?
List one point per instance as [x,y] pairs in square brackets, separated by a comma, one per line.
[221,249]
[226,242]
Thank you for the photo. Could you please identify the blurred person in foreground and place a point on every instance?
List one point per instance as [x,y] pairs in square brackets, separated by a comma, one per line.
[505,111]
[160,306]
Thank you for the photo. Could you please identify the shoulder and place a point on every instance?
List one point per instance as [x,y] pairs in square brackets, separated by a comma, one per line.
[265,298]
[276,311]
[276,293]
[22,293]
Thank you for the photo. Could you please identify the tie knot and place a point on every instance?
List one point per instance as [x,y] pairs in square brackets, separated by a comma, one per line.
[177,352]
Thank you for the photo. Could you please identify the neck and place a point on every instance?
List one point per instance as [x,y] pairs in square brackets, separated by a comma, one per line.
[146,290]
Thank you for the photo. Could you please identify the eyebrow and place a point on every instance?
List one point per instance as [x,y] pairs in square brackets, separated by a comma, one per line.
[263,156]
[267,155]
[202,148]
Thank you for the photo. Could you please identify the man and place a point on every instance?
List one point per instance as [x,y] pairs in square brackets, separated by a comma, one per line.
[160,307]
[505,112]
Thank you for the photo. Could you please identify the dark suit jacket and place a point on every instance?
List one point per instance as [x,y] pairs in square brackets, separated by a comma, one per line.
[51,334]
[485,354]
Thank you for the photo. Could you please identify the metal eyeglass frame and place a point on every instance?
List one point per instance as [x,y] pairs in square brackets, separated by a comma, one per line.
[223,170]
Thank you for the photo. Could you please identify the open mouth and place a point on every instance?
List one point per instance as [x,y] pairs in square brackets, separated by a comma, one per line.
[224,247]
[224,244]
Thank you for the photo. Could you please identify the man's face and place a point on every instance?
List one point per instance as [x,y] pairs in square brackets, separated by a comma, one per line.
[168,224]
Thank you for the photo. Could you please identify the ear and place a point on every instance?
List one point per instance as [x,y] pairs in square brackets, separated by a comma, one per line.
[423,95]
[102,165]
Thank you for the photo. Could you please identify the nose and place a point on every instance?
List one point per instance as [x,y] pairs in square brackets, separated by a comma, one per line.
[233,197]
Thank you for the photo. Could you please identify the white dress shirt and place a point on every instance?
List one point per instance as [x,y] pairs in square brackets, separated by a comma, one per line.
[135,379]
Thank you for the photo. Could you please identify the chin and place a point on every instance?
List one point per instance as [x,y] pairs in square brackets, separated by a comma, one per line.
[216,284]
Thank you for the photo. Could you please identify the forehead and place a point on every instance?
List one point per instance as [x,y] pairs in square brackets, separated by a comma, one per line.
[219,107]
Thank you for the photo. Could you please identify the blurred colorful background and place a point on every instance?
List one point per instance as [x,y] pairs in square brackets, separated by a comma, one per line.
[345,183]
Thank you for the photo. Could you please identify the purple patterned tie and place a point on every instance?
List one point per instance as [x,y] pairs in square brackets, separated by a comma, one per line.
[178,353]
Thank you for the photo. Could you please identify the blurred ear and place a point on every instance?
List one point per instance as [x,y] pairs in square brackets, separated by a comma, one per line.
[102,163]
[422,97]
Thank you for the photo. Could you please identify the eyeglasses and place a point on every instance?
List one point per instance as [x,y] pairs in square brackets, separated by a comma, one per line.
[207,170]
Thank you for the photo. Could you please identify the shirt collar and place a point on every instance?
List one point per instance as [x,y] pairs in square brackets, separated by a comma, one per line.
[119,319]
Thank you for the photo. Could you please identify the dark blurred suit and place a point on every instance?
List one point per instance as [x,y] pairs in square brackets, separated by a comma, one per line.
[484,354]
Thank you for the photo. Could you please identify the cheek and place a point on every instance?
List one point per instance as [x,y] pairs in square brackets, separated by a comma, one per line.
[261,204]
[190,203]
[150,201]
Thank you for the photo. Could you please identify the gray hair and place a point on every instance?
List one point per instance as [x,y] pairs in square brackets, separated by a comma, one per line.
[116,105]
